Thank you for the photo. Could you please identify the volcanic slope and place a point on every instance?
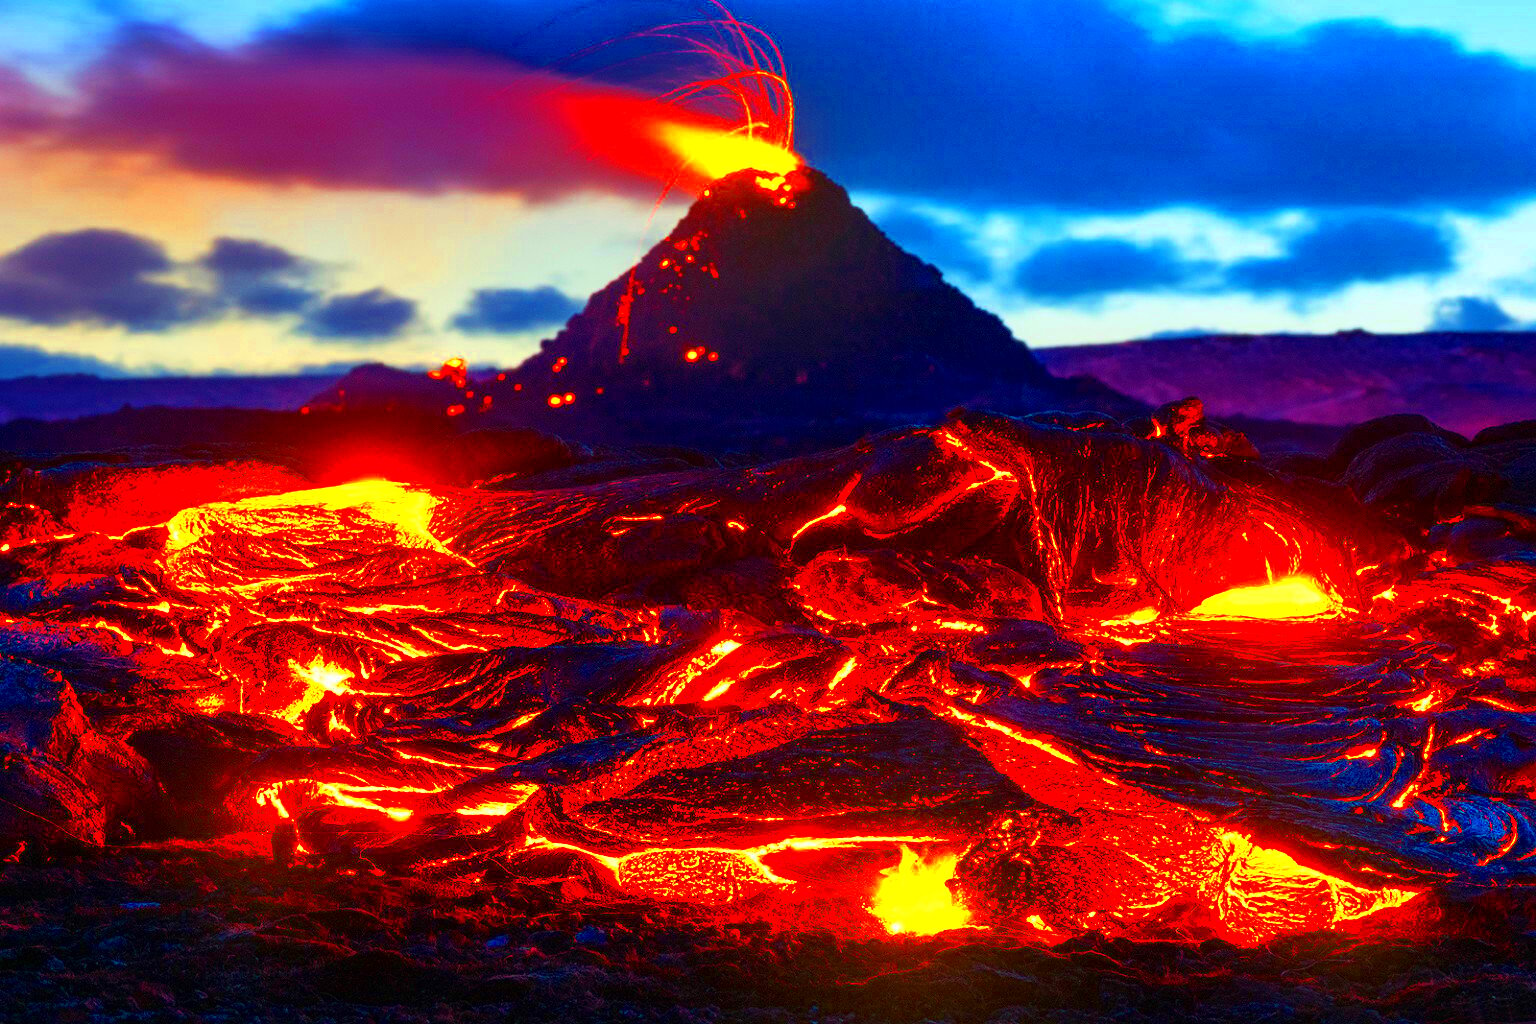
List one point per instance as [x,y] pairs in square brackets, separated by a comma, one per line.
[774,310]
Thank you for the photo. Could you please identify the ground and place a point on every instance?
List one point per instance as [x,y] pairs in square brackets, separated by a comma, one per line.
[183,933]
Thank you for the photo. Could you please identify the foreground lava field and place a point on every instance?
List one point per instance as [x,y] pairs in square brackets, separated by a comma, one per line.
[184,934]
[1116,712]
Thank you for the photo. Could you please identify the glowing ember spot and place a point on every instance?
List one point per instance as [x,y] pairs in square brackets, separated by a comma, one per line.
[714,153]
[913,897]
[320,678]
[1295,597]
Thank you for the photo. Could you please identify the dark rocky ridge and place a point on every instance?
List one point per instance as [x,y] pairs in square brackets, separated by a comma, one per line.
[1464,382]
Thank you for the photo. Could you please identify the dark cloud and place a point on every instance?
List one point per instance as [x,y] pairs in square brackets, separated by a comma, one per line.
[95,275]
[23,110]
[1073,103]
[260,279]
[1082,269]
[1068,103]
[343,115]
[269,299]
[1470,313]
[496,310]
[244,258]
[947,246]
[94,258]
[28,361]
[374,315]
[1339,253]
[112,277]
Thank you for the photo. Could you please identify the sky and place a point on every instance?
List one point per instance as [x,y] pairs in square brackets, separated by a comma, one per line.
[263,187]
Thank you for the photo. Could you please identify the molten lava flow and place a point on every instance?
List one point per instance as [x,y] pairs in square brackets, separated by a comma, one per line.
[1265,893]
[751,686]
[913,897]
[407,511]
[1295,597]
[320,678]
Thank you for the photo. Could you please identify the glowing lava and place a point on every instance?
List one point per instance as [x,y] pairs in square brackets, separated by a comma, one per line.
[1295,597]
[408,511]
[1265,892]
[320,678]
[913,897]
[715,153]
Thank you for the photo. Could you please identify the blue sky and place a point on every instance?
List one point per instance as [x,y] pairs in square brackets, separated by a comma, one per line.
[257,187]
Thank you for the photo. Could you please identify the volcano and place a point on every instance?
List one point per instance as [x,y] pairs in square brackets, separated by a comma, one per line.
[1010,680]
[774,310]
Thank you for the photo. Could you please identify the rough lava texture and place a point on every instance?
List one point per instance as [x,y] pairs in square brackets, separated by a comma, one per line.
[590,704]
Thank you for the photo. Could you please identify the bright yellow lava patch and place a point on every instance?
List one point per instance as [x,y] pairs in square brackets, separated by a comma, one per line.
[913,899]
[407,510]
[715,153]
[1295,597]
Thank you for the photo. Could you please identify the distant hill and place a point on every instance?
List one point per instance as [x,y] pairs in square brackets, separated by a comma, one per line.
[70,396]
[1464,382]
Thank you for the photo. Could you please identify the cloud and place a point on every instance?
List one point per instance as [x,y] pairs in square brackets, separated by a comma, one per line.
[374,315]
[117,278]
[95,275]
[238,258]
[1086,269]
[269,299]
[1075,104]
[1469,313]
[350,114]
[1338,253]
[506,310]
[950,247]
[258,278]
[23,109]
[1084,104]
[28,361]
